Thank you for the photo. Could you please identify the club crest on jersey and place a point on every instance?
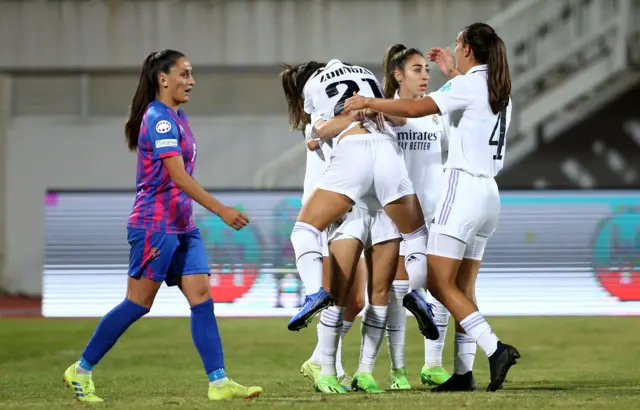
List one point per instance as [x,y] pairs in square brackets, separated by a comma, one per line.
[163,126]
[153,253]
[434,118]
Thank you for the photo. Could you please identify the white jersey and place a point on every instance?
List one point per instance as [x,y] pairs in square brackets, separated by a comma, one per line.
[423,141]
[328,88]
[317,162]
[478,144]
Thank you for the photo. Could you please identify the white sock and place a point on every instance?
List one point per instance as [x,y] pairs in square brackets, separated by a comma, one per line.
[415,261]
[80,370]
[397,323]
[464,353]
[374,322]
[433,348]
[219,381]
[345,328]
[477,327]
[316,356]
[331,321]
[308,250]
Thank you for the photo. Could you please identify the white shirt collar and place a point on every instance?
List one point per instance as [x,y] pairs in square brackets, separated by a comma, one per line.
[481,67]
[332,62]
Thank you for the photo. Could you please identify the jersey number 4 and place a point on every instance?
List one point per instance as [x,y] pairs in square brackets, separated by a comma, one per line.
[502,121]
[352,87]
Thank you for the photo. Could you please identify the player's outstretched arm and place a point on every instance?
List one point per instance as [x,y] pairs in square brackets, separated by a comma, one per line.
[186,183]
[326,129]
[397,107]
[395,121]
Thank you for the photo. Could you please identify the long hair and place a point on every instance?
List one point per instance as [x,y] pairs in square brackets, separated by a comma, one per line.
[395,58]
[488,48]
[294,77]
[146,91]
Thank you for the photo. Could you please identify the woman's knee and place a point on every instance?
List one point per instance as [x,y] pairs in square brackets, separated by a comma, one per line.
[406,213]
[356,302]
[195,288]
[142,291]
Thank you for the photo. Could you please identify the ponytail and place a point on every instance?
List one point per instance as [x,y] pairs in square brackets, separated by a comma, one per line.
[389,83]
[499,78]
[395,59]
[488,48]
[146,91]
[293,80]
[144,95]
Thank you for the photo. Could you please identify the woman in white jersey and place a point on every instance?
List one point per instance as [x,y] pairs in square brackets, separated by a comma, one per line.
[317,153]
[468,211]
[364,162]
[423,140]
[365,226]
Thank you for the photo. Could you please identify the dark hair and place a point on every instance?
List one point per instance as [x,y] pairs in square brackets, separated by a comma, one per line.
[395,58]
[488,48]
[294,77]
[147,90]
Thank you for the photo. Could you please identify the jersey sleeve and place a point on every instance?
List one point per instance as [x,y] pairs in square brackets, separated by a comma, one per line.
[308,132]
[453,96]
[308,100]
[164,137]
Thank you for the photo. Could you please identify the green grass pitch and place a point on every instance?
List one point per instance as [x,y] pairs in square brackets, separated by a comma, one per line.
[570,363]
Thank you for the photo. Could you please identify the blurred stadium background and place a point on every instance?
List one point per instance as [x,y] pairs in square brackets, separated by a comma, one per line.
[68,70]
[568,241]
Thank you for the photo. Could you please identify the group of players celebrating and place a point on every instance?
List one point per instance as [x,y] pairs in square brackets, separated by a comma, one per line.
[376,187]
[380,209]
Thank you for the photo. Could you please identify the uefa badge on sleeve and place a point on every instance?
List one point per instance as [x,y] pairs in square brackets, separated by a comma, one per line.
[163,126]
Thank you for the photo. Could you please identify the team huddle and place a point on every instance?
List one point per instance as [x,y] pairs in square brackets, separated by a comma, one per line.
[381,210]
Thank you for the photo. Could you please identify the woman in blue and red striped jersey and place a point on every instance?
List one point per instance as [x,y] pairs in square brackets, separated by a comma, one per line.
[165,244]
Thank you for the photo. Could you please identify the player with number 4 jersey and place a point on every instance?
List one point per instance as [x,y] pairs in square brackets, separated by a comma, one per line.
[468,211]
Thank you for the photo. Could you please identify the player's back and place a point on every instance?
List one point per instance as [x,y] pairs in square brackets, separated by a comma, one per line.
[160,205]
[328,89]
[478,144]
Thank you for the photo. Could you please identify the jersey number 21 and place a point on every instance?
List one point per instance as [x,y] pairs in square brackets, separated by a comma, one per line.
[352,87]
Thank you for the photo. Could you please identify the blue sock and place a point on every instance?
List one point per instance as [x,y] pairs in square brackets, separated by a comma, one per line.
[109,330]
[216,375]
[204,330]
[84,364]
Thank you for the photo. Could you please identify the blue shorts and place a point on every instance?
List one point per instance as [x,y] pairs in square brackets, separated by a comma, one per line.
[163,256]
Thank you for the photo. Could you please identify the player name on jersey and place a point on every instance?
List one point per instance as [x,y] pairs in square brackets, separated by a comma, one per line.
[344,70]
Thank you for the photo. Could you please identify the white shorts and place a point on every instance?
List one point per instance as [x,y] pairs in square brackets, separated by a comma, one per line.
[369,227]
[468,207]
[367,164]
